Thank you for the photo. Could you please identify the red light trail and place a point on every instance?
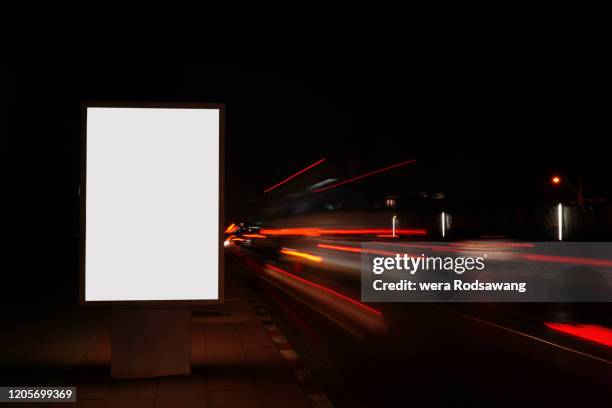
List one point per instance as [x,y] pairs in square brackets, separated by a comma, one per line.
[598,334]
[493,245]
[325,289]
[293,176]
[365,175]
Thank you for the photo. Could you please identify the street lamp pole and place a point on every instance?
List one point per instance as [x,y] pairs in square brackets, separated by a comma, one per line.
[578,191]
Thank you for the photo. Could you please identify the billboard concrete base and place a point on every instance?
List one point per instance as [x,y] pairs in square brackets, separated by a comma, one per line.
[150,343]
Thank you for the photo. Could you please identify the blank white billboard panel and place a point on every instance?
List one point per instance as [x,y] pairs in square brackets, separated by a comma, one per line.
[151,204]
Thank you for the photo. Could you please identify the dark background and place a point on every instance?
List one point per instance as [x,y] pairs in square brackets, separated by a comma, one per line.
[488,131]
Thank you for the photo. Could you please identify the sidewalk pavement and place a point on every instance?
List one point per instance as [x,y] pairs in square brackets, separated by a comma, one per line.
[235,361]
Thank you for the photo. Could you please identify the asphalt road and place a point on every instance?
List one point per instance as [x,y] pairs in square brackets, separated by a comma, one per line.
[436,354]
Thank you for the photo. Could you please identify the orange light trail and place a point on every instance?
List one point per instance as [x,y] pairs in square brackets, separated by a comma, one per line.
[365,175]
[374,231]
[314,232]
[299,254]
[293,176]
[598,334]
[308,232]
[232,228]
[253,236]
[357,250]
[326,289]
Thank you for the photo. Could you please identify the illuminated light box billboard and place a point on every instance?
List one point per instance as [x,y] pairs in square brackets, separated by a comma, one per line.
[152,203]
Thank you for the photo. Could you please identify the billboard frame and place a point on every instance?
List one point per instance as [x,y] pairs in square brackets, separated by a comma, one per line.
[83,216]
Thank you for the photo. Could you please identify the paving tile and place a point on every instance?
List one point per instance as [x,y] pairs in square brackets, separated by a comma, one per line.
[270,402]
[133,389]
[128,403]
[278,384]
[78,404]
[231,381]
[233,402]
[181,403]
[223,347]
[192,386]
[86,404]
[92,390]
[258,346]
[99,354]
[198,354]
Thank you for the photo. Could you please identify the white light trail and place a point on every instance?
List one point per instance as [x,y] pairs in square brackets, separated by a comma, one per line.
[393,224]
[560,221]
[443,224]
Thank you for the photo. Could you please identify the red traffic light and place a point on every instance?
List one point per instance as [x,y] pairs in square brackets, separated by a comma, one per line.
[556,180]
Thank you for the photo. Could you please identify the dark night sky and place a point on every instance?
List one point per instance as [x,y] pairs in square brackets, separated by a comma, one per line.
[495,128]
[517,122]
